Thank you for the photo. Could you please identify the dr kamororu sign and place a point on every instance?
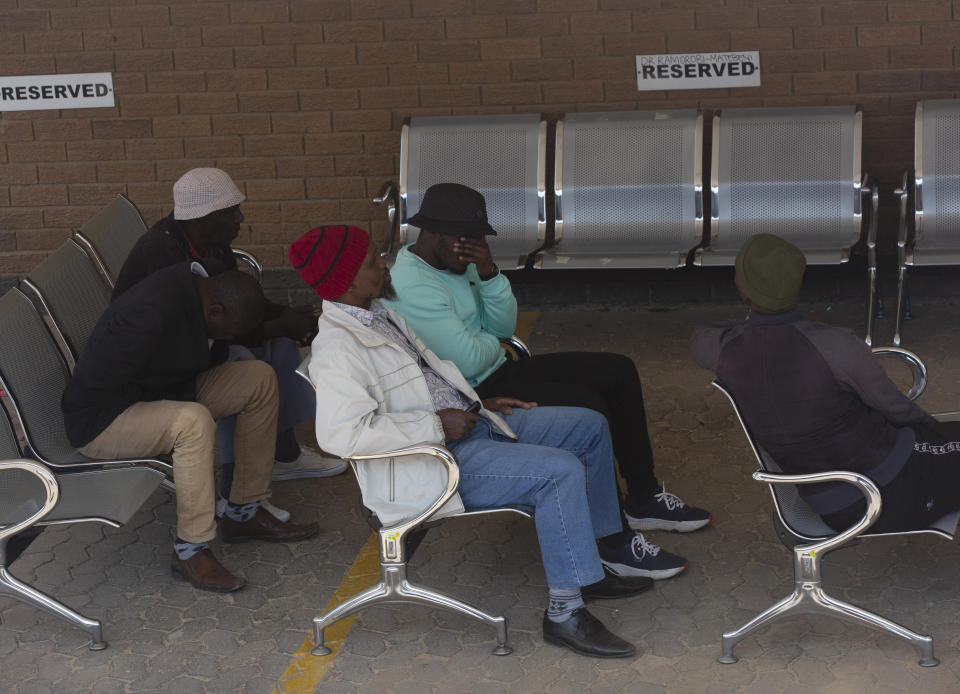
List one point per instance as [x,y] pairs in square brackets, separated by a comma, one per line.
[698,70]
[43,92]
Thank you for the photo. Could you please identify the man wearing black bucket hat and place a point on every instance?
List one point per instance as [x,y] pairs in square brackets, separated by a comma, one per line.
[454,297]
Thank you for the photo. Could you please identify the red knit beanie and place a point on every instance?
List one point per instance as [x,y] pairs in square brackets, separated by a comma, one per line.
[328,258]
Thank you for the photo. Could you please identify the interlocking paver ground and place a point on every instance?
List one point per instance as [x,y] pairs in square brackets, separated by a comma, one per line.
[165,636]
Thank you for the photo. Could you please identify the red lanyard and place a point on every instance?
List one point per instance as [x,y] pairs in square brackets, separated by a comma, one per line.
[192,249]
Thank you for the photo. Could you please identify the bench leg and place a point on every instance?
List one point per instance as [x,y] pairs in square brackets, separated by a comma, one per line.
[808,598]
[9,585]
[394,587]
[901,300]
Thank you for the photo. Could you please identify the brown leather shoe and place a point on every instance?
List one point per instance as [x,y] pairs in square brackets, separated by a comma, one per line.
[206,573]
[264,526]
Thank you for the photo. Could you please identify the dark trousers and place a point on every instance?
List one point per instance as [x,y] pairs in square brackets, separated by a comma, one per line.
[927,488]
[601,381]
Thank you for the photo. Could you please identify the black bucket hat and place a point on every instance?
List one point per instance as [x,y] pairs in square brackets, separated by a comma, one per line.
[451,208]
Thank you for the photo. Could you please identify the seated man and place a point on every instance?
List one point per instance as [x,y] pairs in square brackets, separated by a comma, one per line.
[379,388]
[206,217]
[817,400]
[455,298]
[152,380]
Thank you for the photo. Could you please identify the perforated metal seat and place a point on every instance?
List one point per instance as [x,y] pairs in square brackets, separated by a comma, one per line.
[804,532]
[32,495]
[628,190]
[110,235]
[501,156]
[794,171]
[935,237]
[72,293]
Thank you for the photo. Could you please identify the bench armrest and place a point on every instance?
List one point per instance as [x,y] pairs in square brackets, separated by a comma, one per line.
[916,365]
[51,495]
[393,534]
[250,260]
[391,537]
[862,482]
[517,346]
[391,196]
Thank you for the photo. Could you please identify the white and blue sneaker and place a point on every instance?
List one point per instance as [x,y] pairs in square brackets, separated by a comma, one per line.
[309,464]
[641,558]
[664,511]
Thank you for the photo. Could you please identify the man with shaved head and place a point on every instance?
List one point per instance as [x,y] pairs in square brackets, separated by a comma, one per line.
[154,377]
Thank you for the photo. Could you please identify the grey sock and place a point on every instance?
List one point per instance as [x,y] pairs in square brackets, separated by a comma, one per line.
[185,549]
[563,601]
[241,512]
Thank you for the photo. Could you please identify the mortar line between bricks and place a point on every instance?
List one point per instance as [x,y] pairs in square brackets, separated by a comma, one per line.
[305,671]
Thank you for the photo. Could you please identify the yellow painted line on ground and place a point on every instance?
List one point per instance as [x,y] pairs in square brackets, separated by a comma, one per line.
[525,322]
[305,670]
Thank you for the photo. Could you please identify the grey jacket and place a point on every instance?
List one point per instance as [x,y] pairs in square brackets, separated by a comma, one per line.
[814,398]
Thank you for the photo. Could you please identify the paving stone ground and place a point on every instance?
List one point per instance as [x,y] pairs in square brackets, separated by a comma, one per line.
[165,636]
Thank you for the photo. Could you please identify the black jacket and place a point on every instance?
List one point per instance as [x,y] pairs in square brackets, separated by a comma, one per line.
[164,245]
[149,344]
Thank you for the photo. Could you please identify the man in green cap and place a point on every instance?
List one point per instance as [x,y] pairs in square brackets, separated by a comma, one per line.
[816,400]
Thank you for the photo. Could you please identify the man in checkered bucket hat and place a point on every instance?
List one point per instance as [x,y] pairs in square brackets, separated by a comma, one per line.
[205,220]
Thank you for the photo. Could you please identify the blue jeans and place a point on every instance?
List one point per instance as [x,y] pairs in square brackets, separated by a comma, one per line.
[563,466]
[298,403]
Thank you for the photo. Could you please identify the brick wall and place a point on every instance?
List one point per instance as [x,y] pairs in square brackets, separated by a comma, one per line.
[302,101]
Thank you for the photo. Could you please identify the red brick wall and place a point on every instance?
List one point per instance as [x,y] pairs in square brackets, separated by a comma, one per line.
[302,101]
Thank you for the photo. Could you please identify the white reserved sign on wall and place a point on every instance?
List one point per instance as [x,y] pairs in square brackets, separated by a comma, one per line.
[43,92]
[698,70]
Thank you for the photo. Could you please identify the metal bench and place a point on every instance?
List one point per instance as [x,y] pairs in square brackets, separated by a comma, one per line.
[32,495]
[790,171]
[935,237]
[806,535]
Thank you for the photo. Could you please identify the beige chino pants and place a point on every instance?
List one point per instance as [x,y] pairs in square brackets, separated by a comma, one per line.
[247,389]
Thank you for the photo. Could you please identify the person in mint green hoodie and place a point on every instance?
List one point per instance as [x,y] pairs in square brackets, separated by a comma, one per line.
[455,298]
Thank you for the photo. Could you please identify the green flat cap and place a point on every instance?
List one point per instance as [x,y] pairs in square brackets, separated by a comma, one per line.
[769,272]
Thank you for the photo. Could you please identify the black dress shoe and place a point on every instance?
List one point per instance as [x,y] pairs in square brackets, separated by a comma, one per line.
[613,587]
[585,634]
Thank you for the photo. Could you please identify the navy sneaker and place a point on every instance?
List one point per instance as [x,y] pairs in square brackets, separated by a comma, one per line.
[641,558]
[664,511]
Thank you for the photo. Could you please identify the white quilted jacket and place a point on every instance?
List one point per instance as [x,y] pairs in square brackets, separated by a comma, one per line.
[372,397]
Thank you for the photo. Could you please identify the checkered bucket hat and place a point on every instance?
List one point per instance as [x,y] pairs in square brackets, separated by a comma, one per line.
[201,191]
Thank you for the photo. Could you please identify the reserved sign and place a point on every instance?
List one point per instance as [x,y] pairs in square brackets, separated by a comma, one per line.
[44,92]
[698,70]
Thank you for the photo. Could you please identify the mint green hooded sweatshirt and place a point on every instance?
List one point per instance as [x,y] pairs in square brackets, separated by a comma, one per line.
[458,317]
